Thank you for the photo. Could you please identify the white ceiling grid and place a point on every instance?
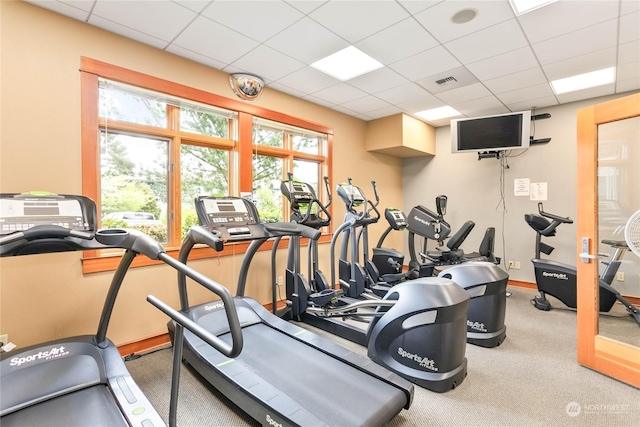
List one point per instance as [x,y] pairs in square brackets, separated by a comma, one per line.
[505,62]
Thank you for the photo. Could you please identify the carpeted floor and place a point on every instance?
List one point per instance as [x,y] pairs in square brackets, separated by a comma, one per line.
[532,379]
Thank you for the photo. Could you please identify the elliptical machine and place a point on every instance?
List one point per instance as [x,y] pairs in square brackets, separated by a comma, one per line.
[560,280]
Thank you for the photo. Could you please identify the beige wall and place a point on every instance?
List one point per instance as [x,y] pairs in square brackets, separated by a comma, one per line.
[474,187]
[46,296]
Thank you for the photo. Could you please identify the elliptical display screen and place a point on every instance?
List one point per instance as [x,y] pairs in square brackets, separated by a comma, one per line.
[23,213]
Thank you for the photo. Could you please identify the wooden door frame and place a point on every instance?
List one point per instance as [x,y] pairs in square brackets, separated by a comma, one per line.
[605,355]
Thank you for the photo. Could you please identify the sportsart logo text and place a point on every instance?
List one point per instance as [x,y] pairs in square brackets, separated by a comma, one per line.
[54,353]
[214,306]
[272,422]
[477,326]
[424,362]
[559,276]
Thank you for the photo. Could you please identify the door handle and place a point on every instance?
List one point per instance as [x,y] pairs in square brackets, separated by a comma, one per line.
[585,255]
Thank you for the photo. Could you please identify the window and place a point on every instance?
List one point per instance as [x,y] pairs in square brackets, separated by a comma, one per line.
[150,146]
[278,150]
[137,139]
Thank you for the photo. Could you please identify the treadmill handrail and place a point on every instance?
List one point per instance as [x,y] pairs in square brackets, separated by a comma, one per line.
[202,333]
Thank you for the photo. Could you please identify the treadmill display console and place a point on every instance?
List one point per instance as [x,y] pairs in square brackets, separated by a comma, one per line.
[233,217]
[20,213]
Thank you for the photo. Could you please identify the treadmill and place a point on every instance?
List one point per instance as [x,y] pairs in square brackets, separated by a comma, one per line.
[79,380]
[285,375]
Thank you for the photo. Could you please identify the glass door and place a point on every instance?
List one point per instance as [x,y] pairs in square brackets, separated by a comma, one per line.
[608,194]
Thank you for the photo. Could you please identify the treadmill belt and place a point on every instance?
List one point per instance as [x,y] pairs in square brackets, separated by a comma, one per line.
[93,406]
[276,367]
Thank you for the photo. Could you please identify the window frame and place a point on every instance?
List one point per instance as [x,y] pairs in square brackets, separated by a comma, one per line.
[92,70]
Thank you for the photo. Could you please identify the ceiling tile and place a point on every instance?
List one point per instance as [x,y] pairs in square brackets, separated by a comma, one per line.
[384,112]
[504,64]
[519,80]
[485,106]
[629,52]
[308,80]
[563,17]
[267,63]
[195,5]
[414,6]
[465,93]
[211,39]
[427,63]
[306,6]
[340,93]
[165,23]
[420,104]
[390,45]
[249,17]
[288,90]
[630,70]
[130,33]
[437,19]
[587,93]
[525,94]
[366,104]
[354,21]
[185,53]
[544,101]
[581,64]
[378,80]
[628,85]
[629,27]
[318,101]
[578,43]
[500,38]
[307,41]
[402,93]
[77,10]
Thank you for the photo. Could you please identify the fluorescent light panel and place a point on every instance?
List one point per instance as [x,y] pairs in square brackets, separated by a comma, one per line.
[438,113]
[584,81]
[347,63]
[521,7]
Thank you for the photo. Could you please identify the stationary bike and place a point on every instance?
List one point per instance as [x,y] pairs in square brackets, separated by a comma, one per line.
[559,279]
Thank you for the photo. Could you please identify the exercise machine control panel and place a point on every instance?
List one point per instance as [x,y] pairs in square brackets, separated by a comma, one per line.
[351,194]
[298,192]
[20,212]
[234,218]
[396,218]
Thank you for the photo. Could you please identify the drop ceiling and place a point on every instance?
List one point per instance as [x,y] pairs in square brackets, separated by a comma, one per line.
[499,62]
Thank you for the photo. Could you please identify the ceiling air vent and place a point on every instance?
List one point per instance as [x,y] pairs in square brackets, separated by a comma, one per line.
[446,80]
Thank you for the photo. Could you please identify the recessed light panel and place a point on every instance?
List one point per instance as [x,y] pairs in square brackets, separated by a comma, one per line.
[347,63]
[521,7]
[438,113]
[584,81]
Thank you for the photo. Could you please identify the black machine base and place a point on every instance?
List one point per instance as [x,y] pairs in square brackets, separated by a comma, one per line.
[486,284]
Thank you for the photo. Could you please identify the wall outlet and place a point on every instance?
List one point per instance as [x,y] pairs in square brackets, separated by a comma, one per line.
[4,339]
[280,280]
[517,265]
[620,276]
[511,265]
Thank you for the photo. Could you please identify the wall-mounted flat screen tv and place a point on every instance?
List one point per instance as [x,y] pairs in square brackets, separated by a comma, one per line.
[499,132]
